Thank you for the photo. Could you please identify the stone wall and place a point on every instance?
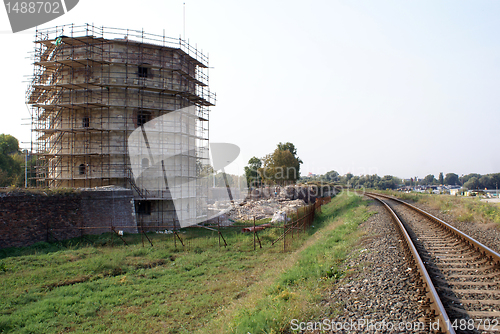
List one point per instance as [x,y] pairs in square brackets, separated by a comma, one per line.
[30,217]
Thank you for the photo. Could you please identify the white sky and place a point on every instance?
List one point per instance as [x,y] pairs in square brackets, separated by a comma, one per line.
[336,78]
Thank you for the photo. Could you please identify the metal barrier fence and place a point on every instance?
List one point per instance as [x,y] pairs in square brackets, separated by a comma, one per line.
[305,217]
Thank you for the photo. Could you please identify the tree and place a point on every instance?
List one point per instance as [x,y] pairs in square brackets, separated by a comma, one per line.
[472,183]
[467,177]
[292,149]
[387,182]
[441,178]
[354,181]
[451,179]
[331,176]
[369,181]
[282,166]
[429,179]
[8,144]
[288,147]
[495,180]
[10,163]
[345,179]
[486,181]
[252,172]
[19,158]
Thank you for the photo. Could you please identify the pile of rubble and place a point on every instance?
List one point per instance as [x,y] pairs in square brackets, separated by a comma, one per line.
[264,208]
[268,202]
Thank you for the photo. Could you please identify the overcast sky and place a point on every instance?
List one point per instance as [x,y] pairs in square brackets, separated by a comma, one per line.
[406,88]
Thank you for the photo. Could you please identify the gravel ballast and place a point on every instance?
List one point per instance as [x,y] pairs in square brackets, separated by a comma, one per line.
[487,234]
[377,290]
[377,294]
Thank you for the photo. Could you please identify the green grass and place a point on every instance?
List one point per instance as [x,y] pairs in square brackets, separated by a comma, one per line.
[123,289]
[83,288]
[296,292]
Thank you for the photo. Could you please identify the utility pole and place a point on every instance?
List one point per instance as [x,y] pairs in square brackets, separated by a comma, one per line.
[26,169]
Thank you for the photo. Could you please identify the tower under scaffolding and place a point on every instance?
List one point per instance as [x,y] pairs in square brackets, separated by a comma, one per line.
[92,87]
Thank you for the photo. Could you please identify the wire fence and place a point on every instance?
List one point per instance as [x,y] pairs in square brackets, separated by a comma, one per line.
[303,220]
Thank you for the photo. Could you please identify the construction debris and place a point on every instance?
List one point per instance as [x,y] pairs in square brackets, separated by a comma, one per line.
[279,217]
[276,203]
[265,208]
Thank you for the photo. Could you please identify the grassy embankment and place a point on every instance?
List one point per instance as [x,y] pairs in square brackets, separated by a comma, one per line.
[464,209]
[48,288]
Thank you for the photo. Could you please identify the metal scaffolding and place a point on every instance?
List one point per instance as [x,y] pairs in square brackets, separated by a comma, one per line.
[92,87]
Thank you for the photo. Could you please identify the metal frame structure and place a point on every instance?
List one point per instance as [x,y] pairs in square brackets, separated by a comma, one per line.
[93,86]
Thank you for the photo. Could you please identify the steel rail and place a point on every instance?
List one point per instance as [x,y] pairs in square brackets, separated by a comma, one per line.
[434,302]
[485,250]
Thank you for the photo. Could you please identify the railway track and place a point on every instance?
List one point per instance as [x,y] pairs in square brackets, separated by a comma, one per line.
[458,277]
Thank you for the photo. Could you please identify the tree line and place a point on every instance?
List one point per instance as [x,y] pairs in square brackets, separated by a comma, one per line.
[469,181]
[349,180]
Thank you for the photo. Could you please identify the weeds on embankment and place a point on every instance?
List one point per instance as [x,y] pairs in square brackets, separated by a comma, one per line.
[75,287]
[465,209]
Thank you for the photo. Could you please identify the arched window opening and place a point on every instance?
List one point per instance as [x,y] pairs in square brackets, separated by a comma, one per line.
[81,169]
[145,162]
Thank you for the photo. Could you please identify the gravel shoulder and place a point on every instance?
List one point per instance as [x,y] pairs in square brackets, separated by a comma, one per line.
[377,288]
